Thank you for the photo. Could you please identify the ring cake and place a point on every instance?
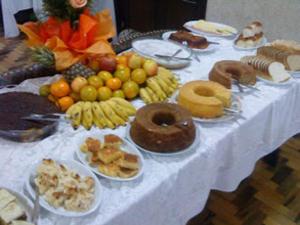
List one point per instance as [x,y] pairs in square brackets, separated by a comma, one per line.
[224,71]
[163,128]
[205,99]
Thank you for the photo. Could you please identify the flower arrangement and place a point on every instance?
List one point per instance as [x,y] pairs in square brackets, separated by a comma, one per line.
[71,33]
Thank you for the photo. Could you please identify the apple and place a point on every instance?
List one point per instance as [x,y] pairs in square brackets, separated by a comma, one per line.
[78,83]
[107,63]
[135,61]
[151,67]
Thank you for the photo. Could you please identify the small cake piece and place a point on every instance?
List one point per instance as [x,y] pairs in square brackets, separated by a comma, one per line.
[126,173]
[109,154]
[128,161]
[111,139]
[5,198]
[93,145]
[12,212]
[111,169]
[20,222]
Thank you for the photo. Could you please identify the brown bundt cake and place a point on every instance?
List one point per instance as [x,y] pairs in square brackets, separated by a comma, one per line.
[163,127]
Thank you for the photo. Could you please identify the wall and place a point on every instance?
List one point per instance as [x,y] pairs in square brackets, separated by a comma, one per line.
[281,18]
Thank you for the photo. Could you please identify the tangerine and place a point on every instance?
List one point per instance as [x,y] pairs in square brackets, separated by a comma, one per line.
[65,102]
[121,60]
[114,83]
[60,88]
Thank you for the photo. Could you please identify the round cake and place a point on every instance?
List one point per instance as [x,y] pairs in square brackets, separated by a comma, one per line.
[205,99]
[163,128]
[224,71]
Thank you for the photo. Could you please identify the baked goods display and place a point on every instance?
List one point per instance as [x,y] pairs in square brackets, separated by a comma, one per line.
[213,28]
[163,128]
[111,113]
[204,99]
[109,157]
[267,68]
[224,72]
[12,211]
[160,87]
[289,57]
[63,187]
[251,36]
[191,40]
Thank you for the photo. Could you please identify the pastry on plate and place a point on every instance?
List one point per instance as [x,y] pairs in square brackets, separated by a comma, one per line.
[128,161]
[126,173]
[112,140]
[109,154]
[111,169]
[251,36]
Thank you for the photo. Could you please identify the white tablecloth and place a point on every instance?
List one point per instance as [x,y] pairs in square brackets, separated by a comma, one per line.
[10,7]
[173,189]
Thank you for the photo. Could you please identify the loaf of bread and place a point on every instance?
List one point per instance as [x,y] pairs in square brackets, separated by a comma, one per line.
[267,68]
[287,45]
[291,61]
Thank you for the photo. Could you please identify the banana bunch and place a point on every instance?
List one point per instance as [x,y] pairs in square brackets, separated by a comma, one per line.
[111,113]
[159,87]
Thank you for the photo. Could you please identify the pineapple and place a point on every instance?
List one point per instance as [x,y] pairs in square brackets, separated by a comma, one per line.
[77,69]
[44,56]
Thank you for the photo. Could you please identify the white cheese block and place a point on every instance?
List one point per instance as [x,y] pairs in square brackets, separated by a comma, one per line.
[11,212]
[5,198]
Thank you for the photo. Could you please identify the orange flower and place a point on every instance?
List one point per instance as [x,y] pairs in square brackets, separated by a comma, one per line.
[78,3]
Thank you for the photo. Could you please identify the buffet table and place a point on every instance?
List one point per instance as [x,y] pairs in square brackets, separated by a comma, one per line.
[173,189]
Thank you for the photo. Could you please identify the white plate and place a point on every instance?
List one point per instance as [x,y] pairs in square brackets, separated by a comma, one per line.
[126,147]
[269,82]
[210,47]
[262,43]
[189,26]
[235,105]
[82,171]
[23,201]
[148,47]
[195,144]
[295,74]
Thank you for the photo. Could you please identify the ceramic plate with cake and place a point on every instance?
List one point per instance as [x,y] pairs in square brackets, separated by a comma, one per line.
[110,156]
[207,28]
[208,101]
[251,37]
[196,42]
[66,187]
[163,129]
[15,208]
[163,52]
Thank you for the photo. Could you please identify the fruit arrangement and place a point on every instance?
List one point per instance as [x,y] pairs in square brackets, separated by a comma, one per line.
[100,78]
[111,113]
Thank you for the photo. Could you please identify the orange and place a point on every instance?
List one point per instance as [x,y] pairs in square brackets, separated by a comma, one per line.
[104,93]
[104,75]
[123,74]
[114,83]
[138,75]
[130,89]
[88,93]
[65,102]
[60,88]
[122,60]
